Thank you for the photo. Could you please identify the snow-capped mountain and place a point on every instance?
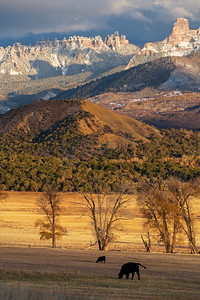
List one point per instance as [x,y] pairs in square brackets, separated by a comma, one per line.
[67,56]
[81,54]
[91,54]
[181,42]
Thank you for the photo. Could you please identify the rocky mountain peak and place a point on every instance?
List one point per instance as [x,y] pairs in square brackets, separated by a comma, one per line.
[180,26]
[182,33]
[66,57]
[181,42]
[114,41]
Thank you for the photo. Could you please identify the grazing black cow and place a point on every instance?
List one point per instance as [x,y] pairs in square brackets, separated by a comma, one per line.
[130,268]
[101,259]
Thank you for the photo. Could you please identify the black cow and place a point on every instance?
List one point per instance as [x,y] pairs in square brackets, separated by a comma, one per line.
[130,268]
[101,259]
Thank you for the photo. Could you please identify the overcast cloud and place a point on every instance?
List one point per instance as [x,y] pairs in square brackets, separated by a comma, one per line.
[20,17]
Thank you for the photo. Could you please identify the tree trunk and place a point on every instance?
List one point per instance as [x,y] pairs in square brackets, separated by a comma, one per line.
[175,229]
[100,247]
[53,240]
[147,243]
[104,244]
[192,242]
[190,228]
[167,248]
[53,235]
[166,234]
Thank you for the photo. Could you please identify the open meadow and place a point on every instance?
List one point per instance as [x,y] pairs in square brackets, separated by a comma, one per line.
[33,273]
[19,212]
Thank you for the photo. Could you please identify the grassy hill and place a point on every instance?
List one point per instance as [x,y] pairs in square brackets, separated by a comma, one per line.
[61,126]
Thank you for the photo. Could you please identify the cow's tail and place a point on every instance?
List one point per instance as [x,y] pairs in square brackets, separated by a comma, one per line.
[142,266]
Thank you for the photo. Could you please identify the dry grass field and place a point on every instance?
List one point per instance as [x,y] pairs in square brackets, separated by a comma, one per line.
[19,212]
[58,274]
[31,270]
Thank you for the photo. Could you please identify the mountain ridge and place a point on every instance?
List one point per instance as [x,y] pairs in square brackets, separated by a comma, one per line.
[79,54]
[162,73]
[66,57]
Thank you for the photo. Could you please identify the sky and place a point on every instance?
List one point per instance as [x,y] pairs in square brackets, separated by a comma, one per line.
[27,21]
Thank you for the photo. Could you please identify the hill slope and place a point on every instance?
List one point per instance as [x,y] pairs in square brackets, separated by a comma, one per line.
[71,143]
[68,128]
[163,109]
[170,72]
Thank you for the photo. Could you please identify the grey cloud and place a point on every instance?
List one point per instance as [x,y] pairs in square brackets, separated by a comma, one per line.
[179,8]
[19,17]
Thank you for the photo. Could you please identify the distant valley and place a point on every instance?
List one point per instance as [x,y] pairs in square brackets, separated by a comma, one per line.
[162,109]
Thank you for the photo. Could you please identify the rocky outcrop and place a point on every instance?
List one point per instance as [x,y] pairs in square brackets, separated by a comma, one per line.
[66,57]
[181,42]
[181,34]
[79,54]
[115,41]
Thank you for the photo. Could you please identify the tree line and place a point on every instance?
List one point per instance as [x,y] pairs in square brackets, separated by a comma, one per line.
[24,172]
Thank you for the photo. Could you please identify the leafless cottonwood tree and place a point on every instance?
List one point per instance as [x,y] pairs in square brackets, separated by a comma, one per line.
[50,206]
[104,208]
[181,194]
[158,210]
[167,208]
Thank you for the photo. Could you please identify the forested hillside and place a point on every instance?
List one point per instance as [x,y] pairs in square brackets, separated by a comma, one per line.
[151,74]
[67,143]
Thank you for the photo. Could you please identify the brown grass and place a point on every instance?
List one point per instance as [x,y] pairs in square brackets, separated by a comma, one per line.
[27,273]
[19,212]
[120,122]
[160,108]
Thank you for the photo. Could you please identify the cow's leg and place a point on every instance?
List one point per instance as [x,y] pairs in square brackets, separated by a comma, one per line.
[127,275]
[132,275]
[138,274]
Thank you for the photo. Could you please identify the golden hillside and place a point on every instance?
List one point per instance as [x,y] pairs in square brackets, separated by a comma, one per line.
[118,123]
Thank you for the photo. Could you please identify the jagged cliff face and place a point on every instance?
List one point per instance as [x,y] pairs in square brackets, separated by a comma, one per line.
[181,42]
[66,57]
[81,54]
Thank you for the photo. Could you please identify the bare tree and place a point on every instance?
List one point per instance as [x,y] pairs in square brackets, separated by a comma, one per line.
[50,206]
[167,208]
[181,194]
[147,242]
[104,208]
[159,211]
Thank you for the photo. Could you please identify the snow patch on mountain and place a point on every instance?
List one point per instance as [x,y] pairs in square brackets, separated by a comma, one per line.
[49,95]
[52,58]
